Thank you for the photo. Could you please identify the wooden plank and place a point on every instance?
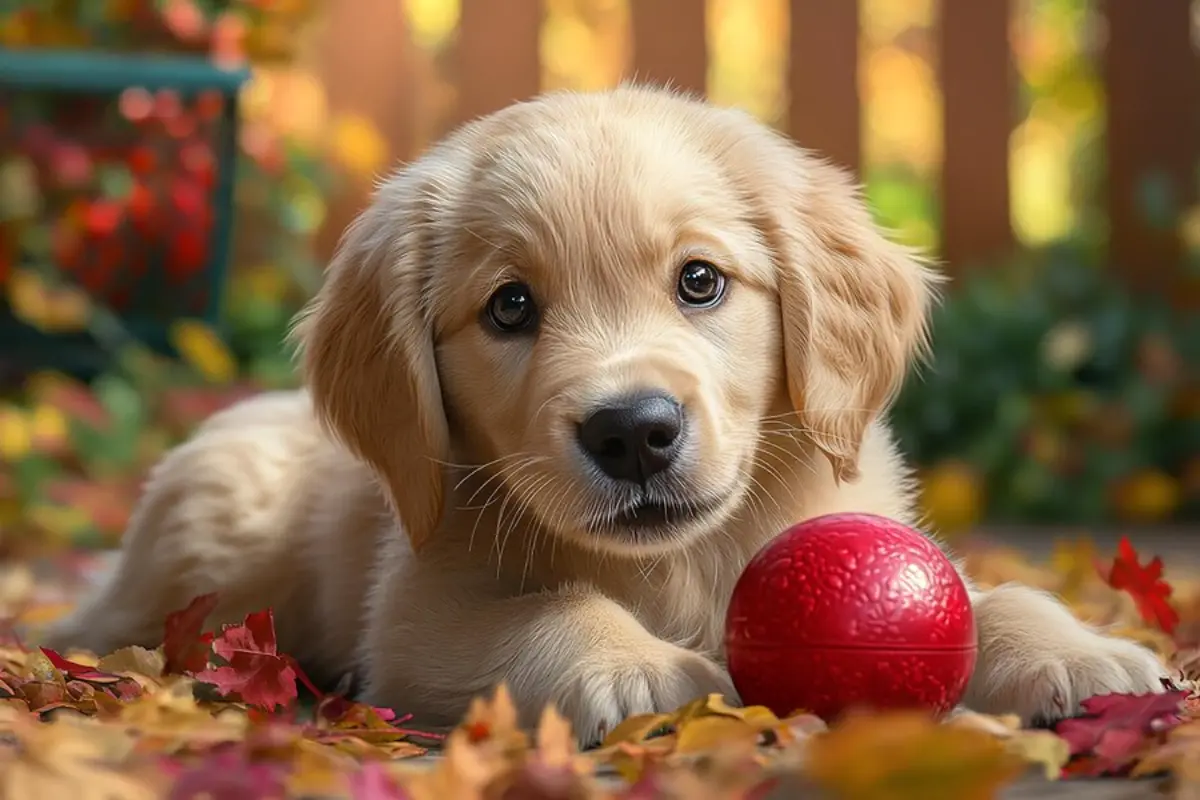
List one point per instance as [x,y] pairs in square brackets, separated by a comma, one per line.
[364,61]
[497,55]
[1153,82]
[979,93]
[670,43]
[824,111]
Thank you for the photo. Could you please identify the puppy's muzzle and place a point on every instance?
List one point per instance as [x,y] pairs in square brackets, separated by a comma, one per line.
[634,437]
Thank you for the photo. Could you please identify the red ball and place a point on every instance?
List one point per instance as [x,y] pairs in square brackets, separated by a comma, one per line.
[850,611]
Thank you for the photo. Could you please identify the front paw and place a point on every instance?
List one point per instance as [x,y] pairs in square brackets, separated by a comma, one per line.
[1048,684]
[598,695]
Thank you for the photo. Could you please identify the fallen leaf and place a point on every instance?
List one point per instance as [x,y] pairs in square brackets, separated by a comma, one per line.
[495,720]
[464,770]
[701,734]
[1115,729]
[374,782]
[228,775]
[1144,584]
[169,718]
[637,728]
[759,717]
[1179,755]
[255,671]
[909,755]
[67,759]
[80,672]
[186,647]
[1074,562]
[136,662]
[554,742]
[1044,748]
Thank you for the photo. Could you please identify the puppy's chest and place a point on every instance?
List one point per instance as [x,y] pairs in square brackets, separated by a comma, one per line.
[685,605]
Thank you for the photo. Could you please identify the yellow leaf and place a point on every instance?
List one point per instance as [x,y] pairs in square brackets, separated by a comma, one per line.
[200,346]
[59,522]
[70,309]
[49,308]
[1075,563]
[630,760]
[701,734]
[170,717]
[66,758]
[359,146]
[463,771]
[909,756]
[17,585]
[16,436]
[636,728]
[1147,497]
[28,296]
[48,427]
[42,614]
[554,740]
[137,662]
[1180,755]
[495,720]
[952,497]
[317,771]
[760,717]
[1044,748]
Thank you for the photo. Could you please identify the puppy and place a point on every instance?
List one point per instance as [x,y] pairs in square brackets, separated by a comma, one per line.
[569,371]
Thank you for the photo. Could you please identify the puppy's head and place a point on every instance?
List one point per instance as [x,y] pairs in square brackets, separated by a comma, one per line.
[603,301]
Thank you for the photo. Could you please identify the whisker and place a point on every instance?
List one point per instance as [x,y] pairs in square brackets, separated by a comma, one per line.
[527,498]
[474,471]
[493,497]
[501,543]
[506,471]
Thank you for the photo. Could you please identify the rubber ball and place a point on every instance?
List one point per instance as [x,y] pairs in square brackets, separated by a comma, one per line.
[850,611]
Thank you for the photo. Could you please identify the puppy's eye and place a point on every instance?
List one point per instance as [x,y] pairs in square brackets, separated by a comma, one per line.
[511,309]
[701,285]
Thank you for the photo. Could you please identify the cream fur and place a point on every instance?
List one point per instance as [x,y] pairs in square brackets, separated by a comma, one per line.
[413,412]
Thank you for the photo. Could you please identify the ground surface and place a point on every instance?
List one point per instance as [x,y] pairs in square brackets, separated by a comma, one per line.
[132,721]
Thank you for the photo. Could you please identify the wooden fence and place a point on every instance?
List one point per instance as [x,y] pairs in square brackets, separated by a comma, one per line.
[1150,71]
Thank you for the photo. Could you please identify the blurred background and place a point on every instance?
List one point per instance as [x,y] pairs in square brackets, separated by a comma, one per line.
[174,174]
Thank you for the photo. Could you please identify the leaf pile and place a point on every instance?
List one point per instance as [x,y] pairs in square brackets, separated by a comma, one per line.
[224,714]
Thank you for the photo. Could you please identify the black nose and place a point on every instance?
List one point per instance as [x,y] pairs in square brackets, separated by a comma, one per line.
[633,437]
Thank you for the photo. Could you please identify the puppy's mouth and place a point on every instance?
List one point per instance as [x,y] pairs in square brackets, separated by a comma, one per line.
[650,515]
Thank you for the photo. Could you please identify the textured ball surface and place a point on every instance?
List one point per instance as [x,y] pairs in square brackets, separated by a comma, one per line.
[850,610]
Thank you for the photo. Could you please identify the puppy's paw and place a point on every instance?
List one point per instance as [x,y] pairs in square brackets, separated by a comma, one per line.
[1050,685]
[599,695]
[1036,660]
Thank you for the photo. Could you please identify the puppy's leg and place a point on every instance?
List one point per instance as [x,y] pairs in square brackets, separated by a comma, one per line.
[433,644]
[211,518]
[1039,661]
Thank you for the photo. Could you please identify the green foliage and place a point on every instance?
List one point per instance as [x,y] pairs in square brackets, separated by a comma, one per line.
[1060,388]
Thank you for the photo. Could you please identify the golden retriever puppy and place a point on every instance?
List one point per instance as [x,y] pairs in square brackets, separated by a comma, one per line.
[569,371]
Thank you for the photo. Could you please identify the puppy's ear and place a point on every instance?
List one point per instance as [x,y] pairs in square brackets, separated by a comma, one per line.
[366,341]
[854,307]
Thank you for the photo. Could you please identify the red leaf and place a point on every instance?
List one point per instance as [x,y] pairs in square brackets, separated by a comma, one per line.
[230,775]
[79,672]
[1145,585]
[373,782]
[186,646]
[1116,727]
[256,672]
